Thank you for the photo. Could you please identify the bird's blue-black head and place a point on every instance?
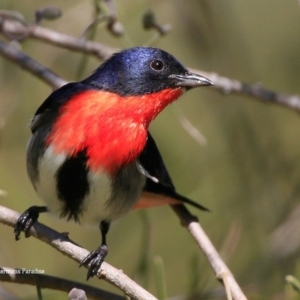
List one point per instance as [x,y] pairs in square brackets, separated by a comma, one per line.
[140,70]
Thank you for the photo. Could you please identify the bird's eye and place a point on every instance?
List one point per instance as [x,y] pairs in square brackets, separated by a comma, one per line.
[157,65]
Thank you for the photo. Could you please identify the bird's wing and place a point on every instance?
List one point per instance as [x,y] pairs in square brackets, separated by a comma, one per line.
[159,189]
[48,109]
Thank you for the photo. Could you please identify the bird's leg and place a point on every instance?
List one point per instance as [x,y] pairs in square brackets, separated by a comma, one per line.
[96,258]
[27,219]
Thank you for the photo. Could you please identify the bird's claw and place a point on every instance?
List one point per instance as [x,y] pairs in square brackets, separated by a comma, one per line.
[95,260]
[25,221]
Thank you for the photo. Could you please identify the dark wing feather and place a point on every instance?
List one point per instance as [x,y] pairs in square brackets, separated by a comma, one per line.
[48,110]
[42,122]
[152,162]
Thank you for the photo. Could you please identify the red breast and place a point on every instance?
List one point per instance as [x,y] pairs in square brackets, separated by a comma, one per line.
[112,129]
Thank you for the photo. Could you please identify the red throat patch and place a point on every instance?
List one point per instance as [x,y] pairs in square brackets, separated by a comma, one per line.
[112,129]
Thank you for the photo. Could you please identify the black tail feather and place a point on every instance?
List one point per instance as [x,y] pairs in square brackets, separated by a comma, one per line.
[190,202]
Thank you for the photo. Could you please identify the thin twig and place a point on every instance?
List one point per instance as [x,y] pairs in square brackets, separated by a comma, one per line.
[31,65]
[14,27]
[62,243]
[68,42]
[256,91]
[216,262]
[189,127]
[54,283]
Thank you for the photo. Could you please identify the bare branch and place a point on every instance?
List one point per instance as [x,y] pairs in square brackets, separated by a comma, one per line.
[62,243]
[15,27]
[31,65]
[232,86]
[284,241]
[54,283]
[221,270]
[71,43]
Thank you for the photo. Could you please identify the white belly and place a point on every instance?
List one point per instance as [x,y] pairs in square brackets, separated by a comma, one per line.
[106,199]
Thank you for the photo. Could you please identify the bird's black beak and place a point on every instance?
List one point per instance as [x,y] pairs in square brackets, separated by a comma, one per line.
[190,80]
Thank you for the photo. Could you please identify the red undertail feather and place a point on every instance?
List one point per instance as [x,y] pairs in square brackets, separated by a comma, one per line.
[148,200]
[113,129]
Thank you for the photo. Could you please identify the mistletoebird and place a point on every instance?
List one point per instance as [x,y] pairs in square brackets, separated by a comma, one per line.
[91,158]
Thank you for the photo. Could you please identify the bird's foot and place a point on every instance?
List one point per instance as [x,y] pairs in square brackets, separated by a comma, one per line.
[95,260]
[27,219]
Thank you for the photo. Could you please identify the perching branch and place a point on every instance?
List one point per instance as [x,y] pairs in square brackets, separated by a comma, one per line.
[219,267]
[62,243]
[117,278]
[54,283]
[14,28]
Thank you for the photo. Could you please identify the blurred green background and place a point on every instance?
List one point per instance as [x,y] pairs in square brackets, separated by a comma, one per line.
[248,173]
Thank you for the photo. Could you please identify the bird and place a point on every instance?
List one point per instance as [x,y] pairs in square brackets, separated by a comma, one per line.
[91,157]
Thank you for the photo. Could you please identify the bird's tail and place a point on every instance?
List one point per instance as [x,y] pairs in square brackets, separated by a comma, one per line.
[149,199]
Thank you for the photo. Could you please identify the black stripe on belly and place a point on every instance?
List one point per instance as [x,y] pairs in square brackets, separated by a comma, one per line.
[72,185]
